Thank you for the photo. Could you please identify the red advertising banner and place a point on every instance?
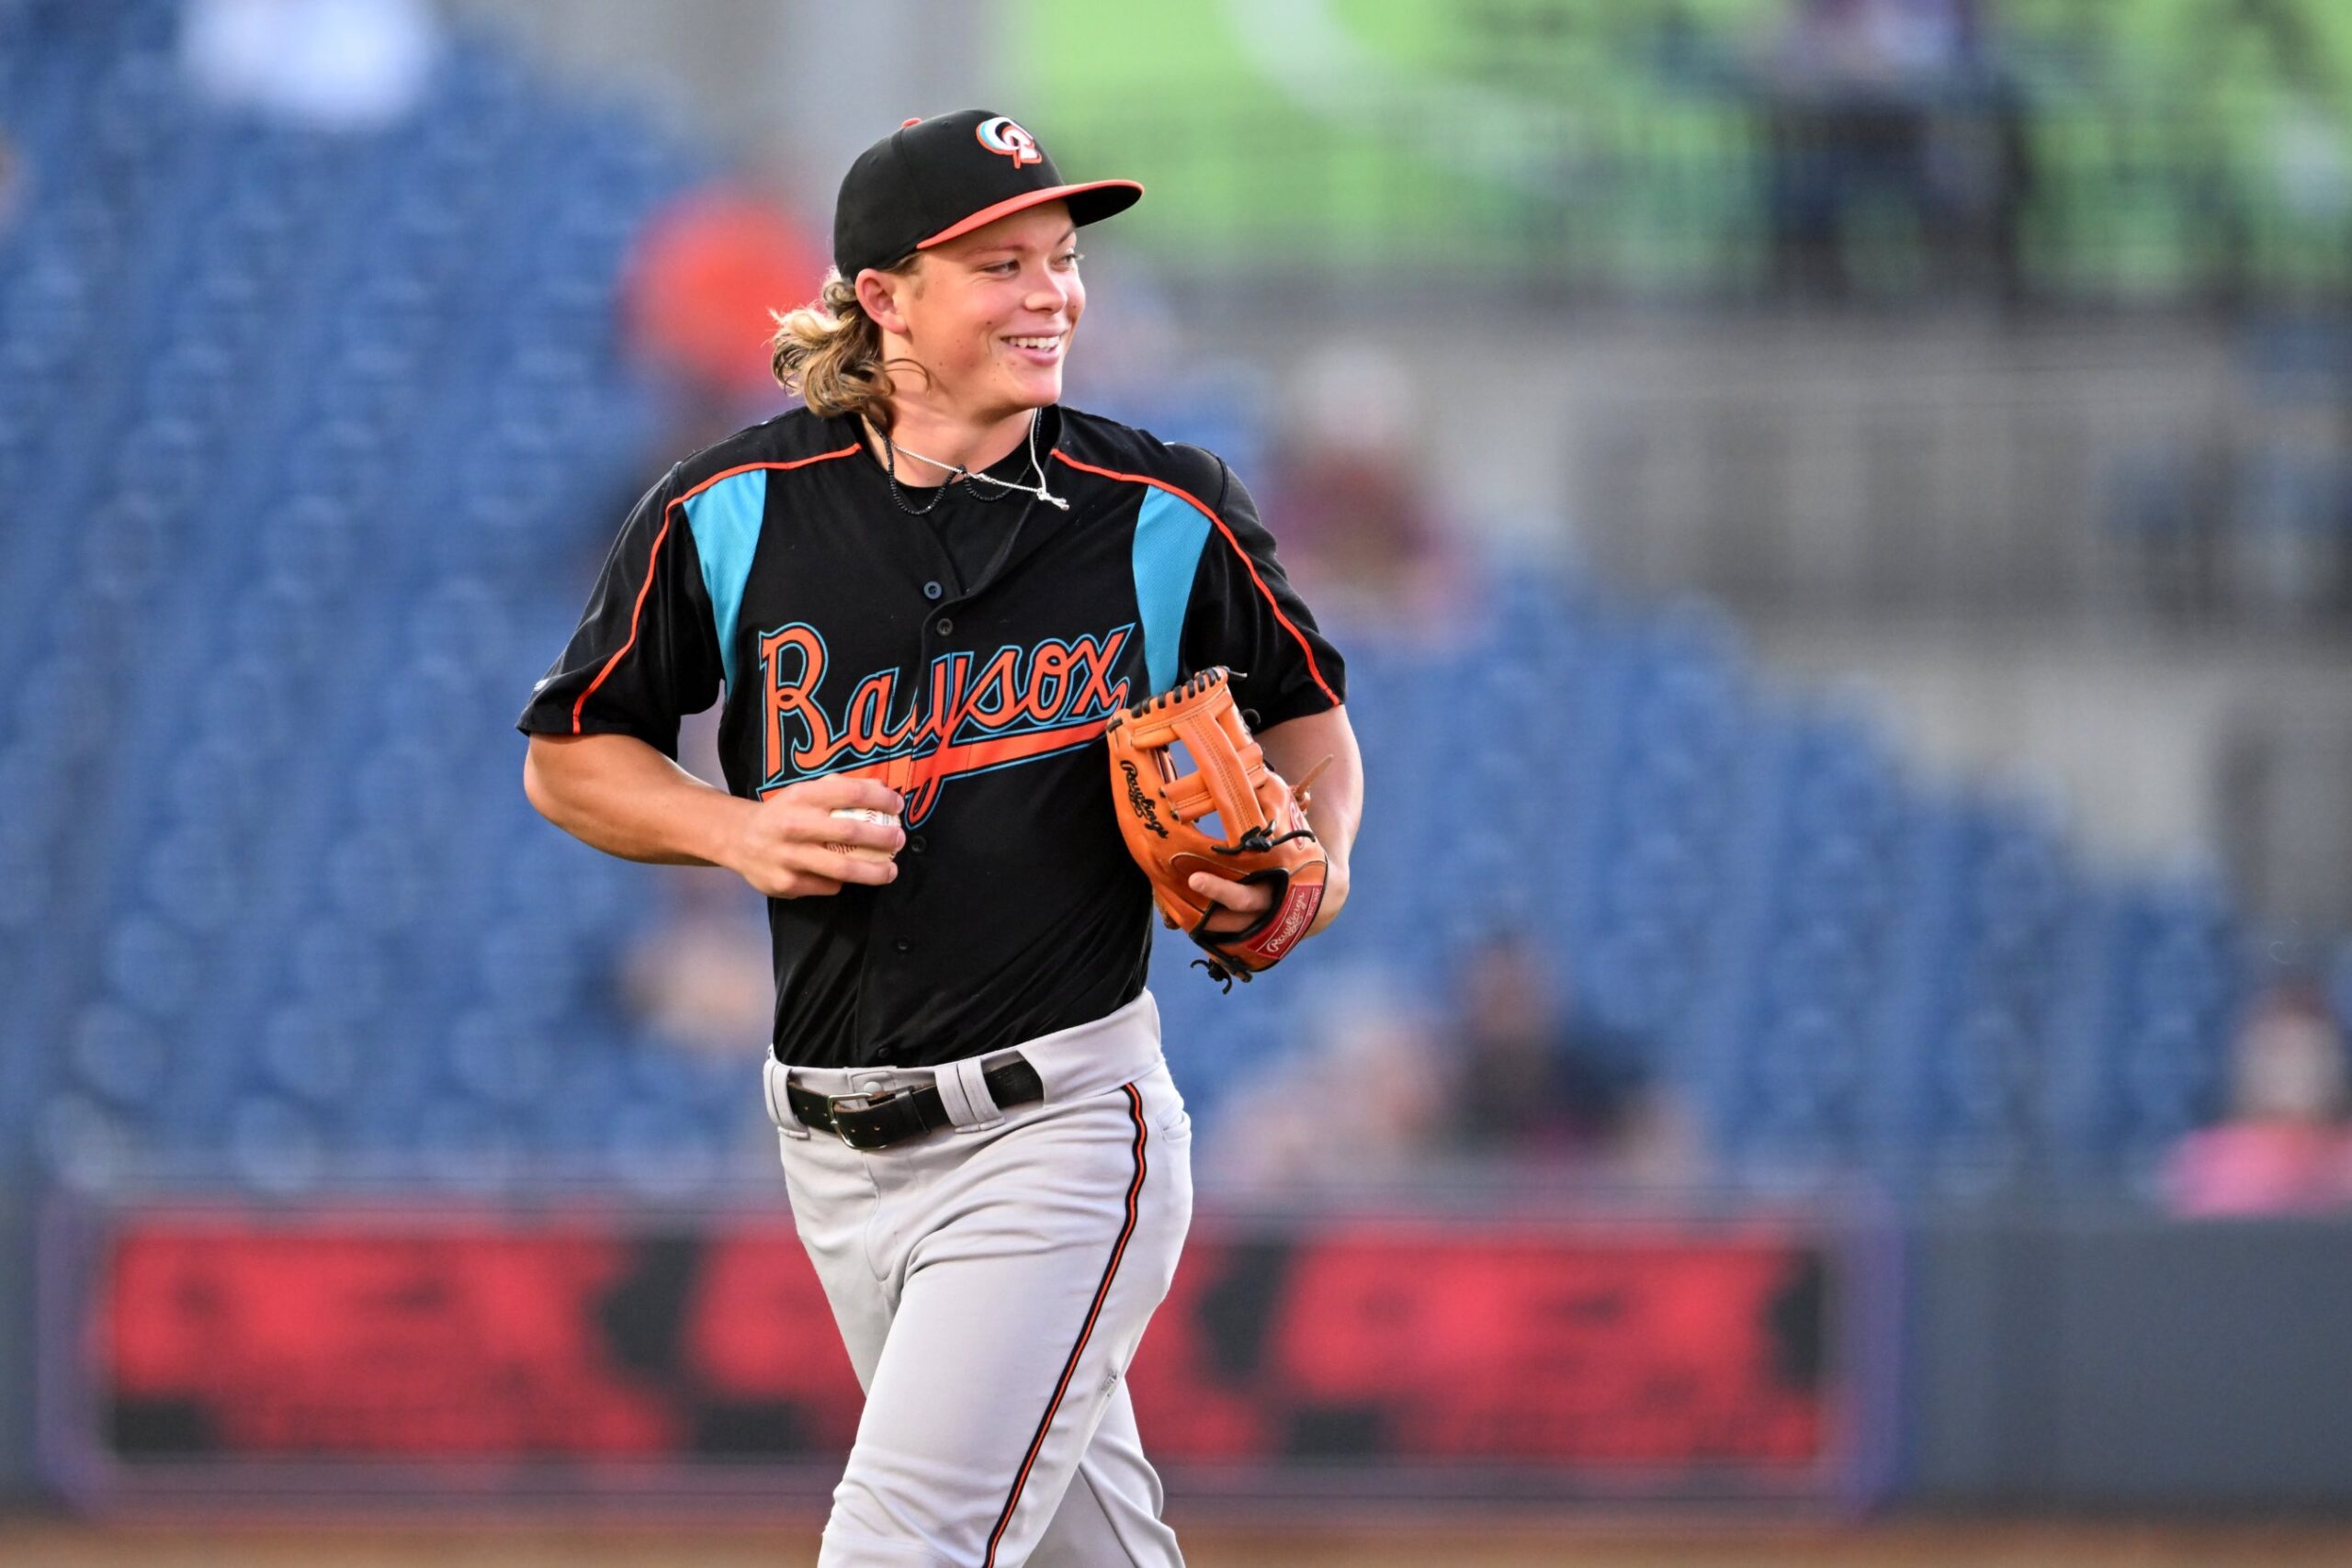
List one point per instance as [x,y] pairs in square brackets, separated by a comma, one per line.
[402,1352]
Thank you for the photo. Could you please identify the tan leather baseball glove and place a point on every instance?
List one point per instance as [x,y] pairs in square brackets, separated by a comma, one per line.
[1226,813]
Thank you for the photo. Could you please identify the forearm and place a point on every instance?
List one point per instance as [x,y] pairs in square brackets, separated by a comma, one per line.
[619,795]
[1335,802]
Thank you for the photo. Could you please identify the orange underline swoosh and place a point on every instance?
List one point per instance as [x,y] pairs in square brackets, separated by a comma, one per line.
[905,773]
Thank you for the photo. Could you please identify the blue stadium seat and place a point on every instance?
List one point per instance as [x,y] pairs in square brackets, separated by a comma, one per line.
[276,1147]
[120,1058]
[80,1145]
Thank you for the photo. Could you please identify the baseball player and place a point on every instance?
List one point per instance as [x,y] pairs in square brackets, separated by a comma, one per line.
[924,594]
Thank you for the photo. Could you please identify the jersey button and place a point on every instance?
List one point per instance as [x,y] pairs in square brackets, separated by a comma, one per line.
[944,626]
[932,591]
[918,843]
[902,944]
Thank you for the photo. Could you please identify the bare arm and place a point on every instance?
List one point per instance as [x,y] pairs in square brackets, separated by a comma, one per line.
[619,795]
[1334,806]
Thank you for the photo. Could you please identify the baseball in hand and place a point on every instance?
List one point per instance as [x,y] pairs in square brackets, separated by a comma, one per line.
[862,852]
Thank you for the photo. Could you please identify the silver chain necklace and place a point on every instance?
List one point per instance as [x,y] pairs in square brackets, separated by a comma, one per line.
[957,472]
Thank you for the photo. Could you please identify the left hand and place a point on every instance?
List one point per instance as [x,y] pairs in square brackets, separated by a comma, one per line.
[1245,901]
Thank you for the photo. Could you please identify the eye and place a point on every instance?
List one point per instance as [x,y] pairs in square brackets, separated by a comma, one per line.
[1003,268]
[1070,258]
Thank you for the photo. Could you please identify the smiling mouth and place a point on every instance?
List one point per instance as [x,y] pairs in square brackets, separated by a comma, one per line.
[1047,344]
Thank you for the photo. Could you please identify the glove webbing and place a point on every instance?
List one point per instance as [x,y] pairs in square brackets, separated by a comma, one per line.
[1220,780]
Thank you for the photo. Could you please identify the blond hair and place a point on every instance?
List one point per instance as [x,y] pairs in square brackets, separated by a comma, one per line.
[829,352]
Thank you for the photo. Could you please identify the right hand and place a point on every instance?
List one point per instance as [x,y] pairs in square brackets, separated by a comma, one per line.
[781,847]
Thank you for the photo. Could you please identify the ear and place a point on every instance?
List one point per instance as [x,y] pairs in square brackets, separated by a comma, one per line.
[877,295]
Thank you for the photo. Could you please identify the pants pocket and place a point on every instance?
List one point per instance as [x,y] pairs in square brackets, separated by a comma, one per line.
[1163,1106]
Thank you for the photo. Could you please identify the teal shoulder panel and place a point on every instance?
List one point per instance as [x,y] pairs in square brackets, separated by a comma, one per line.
[1169,532]
[726,523]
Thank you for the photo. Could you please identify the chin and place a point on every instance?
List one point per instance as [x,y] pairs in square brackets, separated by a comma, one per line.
[1035,392]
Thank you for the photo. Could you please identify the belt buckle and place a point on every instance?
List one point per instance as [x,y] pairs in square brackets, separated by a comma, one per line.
[835,1102]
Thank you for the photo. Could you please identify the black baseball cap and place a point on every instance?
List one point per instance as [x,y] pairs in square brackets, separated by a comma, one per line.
[933,179]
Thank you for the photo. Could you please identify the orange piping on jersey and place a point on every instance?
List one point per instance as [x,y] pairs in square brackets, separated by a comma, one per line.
[1086,1331]
[637,610]
[1305,647]
[849,451]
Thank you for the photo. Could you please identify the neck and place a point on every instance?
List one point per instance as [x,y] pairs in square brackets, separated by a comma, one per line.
[954,441]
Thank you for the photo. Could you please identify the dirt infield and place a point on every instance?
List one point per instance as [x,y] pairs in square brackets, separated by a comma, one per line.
[25,1545]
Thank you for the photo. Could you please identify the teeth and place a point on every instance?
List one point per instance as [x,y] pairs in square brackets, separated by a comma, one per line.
[1039,343]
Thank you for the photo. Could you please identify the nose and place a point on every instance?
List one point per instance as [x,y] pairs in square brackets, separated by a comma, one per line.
[1049,292]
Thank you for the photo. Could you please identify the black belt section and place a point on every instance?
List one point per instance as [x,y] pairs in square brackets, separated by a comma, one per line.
[871,1122]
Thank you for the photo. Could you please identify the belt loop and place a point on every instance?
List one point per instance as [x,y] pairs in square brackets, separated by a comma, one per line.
[774,1076]
[963,1090]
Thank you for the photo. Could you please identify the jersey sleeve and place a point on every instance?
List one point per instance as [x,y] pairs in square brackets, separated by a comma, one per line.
[646,651]
[1245,615]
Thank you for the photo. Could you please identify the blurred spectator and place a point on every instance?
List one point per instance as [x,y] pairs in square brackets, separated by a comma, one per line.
[326,64]
[2286,550]
[2285,1147]
[1880,107]
[1535,1080]
[1514,1079]
[2266,103]
[698,293]
[699,287]
[1139,365]
[2166,505]
[1359,1100]
[1347,496]
[2242,511]
[701,976]
[1658,1141]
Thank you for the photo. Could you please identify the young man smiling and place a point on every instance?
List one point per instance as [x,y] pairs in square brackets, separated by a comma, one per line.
[992,310]
[923,595]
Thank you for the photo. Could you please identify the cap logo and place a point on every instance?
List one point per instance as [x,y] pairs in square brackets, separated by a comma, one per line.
[1002,135]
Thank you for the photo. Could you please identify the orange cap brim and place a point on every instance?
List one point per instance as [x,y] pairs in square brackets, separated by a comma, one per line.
[1119,194]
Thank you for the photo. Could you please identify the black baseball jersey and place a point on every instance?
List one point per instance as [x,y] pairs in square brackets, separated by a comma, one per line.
[850,638]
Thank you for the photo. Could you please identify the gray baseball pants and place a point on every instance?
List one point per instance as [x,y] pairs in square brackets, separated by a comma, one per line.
[991,1282]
